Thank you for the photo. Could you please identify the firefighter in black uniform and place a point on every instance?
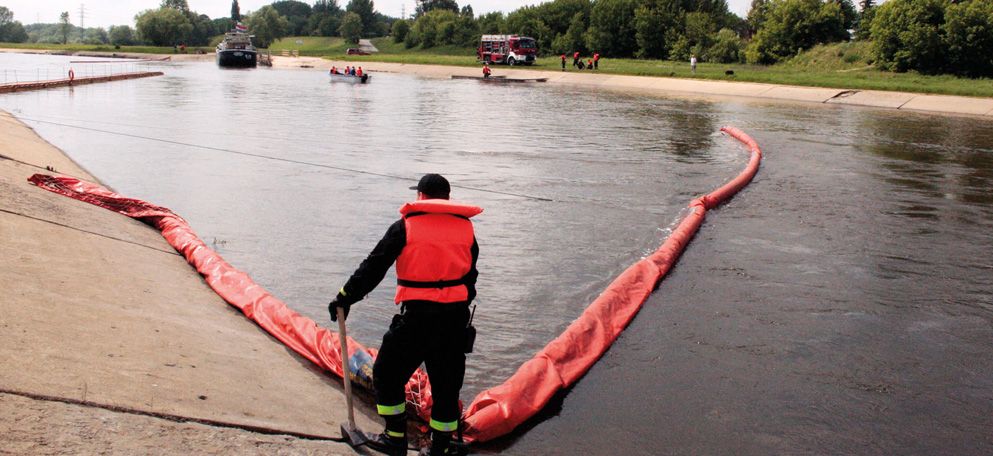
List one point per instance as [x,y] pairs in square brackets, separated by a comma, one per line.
[435,250]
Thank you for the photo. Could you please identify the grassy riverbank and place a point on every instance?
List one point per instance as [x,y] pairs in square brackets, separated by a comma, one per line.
[842,65]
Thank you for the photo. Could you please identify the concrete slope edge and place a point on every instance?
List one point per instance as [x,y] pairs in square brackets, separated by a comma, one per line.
[101,320]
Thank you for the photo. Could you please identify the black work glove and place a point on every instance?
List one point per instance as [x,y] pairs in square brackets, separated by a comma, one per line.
[337,302]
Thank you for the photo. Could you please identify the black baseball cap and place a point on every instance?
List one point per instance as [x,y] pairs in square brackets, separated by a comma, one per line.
[433,185]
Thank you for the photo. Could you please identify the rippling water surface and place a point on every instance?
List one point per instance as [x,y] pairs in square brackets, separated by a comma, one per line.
[841,304]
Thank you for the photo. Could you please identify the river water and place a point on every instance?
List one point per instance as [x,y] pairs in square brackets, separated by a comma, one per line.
[840,304]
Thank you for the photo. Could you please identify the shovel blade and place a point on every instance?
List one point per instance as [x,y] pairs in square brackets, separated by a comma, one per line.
[353,436]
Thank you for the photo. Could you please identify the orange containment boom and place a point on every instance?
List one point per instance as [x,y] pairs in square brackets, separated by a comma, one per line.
[300,333]
[494,412]
[563,361]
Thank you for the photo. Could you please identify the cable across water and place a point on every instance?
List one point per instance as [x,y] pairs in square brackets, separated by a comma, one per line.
[494,412]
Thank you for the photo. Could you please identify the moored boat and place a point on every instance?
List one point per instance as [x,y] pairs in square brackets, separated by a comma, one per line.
[236,49]
[342,77]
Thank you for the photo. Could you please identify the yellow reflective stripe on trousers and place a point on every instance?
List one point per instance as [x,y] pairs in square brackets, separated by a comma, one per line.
[395,434]
[444,427]
[390,410]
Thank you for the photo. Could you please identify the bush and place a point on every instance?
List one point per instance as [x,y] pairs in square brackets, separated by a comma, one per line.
[906,35]
[793,25]
[727,49]
[400,30]
[968,33]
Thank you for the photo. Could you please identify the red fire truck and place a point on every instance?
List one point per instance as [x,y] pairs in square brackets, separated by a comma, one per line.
[509,49]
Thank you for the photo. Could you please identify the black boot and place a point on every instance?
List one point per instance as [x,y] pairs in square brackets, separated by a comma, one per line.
[442,445]
[387,444]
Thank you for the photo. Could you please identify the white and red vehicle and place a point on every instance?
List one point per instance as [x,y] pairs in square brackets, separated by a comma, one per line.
[509,49]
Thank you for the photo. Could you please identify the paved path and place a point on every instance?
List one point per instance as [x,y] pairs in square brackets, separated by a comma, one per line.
[366,45]
[101,320]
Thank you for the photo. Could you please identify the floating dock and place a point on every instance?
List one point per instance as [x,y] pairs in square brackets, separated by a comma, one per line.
[498,78]
[73,81]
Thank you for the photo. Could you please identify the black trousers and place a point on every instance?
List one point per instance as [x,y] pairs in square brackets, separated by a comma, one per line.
[429,333]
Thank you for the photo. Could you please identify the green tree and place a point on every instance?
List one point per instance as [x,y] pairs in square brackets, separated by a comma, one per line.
[180,5]
[325,18]
[96,36]
[794,25]
[235,11]
[122,35]
[558,14]
[727,48]
[267,26]
[163,27]
[223,24]
[400,30]
[968,30]
[756,15]
[848,12]
[863,26]
[426,6]
[6,16]
[699,35]
[11,31]
[326,6]
[906,35]
[612,28]
[366,12]
[64,27]
[325,24]
[428,29]
[527,21]
[573,39]
[202,31]
[296,12]
[656,26]
[490,23]
[351,28]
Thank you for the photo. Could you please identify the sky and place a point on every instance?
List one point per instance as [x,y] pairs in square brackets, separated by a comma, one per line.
[104,13]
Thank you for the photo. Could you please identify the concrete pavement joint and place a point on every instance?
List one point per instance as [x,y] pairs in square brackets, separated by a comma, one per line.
[169,416]
[87,231]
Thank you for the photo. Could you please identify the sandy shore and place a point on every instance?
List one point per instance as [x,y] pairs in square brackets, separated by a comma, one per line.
[697,88]
[693,87]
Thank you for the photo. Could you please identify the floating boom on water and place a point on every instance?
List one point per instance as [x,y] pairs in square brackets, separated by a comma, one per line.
[494,412]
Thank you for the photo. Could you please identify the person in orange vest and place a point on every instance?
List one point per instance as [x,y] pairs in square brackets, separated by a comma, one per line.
[596,61]
[589,64]
[358,72]
[563,62]
[347,69]
[486,70]
[575,59]
[333,71]
[435,251]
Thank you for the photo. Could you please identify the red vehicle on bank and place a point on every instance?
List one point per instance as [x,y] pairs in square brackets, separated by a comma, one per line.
[509,49]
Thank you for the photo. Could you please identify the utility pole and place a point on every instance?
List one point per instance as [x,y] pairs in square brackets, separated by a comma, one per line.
[403,11]
[82,15]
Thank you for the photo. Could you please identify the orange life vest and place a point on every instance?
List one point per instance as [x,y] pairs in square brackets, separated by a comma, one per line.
[438,252]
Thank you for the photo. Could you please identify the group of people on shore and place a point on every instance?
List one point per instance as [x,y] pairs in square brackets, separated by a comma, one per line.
[348,70]
[592,64]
